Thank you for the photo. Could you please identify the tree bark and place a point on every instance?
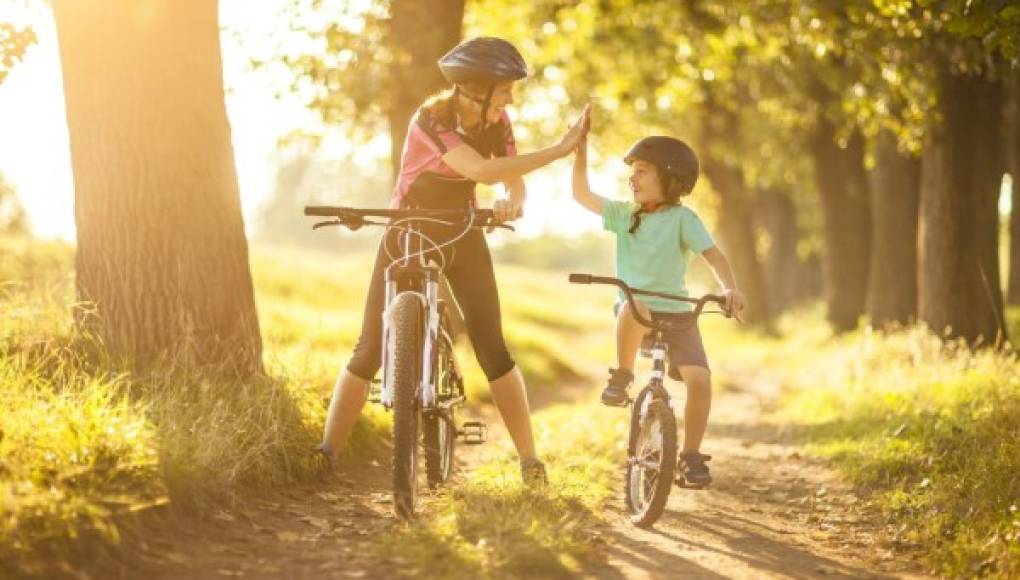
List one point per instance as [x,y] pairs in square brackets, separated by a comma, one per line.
[960,294]
[843,189]
[778,215]
[736,229]
[1012,149]
[421,31]
[895,201]
[162,260]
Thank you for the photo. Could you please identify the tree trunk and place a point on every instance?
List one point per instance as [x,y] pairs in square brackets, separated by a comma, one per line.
[421,31]
[778,215]
[843,189]
[736,229]
[162,260]
[960,293]
[895,200]
[1013,160]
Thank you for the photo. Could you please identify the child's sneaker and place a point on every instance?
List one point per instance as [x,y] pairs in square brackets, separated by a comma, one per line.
[694,469]
[615,393]
[533,473]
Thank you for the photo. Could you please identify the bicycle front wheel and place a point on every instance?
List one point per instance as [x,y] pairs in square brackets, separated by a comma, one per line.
[651,459]
[403,356]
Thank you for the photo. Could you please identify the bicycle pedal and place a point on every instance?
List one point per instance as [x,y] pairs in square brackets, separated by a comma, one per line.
[473,432]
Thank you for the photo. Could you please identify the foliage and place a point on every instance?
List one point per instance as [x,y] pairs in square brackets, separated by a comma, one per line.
[930,429]
[490,526]
[12,215]
[84,444]
[14,42]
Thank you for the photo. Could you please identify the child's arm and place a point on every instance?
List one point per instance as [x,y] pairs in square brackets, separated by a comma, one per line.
[582,192]
[724,275]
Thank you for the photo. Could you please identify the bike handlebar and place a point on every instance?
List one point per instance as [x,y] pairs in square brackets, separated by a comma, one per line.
[630,292]
[354,218]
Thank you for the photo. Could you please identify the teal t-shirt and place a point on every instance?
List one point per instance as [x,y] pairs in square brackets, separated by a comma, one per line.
[656,256]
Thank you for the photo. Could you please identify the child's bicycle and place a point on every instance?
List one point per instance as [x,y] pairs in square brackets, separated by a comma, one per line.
[421,381]
[652,441]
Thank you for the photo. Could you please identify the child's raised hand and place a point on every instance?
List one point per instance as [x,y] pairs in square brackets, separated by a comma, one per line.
[577,132]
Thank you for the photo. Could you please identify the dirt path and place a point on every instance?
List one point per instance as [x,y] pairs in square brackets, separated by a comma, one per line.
[313,531]
[771,513]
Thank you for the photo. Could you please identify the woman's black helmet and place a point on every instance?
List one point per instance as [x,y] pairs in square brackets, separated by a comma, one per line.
[675,160]
[485,60]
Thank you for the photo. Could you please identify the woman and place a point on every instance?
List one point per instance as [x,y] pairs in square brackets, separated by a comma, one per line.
[454,141]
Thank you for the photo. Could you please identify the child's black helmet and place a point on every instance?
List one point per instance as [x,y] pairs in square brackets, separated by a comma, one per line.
[484,60]
[676,161]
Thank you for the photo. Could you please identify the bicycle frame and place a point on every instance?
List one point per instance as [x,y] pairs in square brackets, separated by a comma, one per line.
[657,381]
[423,277]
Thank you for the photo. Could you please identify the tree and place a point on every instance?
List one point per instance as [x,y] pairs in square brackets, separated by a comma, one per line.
[12,215]
[1012,149]
[378,73]
[162,261]
[961,173]
[895,200]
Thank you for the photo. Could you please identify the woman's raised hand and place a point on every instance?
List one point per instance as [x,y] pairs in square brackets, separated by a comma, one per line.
[576,133]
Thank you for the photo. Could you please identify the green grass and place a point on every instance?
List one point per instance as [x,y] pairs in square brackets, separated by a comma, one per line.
[85,444]
[932,430]
[489,525]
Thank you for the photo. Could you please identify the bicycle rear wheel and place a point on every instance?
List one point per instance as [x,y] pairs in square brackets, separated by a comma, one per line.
[403,353]
[651,461]
[439,435]
[440,426]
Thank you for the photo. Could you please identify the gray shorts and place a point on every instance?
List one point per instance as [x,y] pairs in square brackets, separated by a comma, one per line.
[684,340]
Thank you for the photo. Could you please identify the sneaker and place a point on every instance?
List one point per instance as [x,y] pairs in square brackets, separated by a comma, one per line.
[693,469]
[533,473]
[323,454]
[615,393]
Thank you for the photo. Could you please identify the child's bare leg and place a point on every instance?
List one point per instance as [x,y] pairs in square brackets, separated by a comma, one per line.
[699,403]
[629,333]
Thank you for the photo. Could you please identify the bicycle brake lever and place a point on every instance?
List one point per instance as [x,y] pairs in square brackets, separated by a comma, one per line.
[327,224]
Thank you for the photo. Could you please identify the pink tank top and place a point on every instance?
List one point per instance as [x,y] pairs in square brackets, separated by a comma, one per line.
[426,143]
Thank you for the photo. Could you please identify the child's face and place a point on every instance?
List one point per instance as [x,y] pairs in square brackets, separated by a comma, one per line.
[644,182]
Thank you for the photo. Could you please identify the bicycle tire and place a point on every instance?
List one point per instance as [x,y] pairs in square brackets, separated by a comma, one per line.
[403,354]
[439,436]
[440,429]
[646,500]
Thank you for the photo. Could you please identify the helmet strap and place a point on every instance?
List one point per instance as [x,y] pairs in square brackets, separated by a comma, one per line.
[485,106]
[484,102]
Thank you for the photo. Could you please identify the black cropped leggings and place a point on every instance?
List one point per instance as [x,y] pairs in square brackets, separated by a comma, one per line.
[469,270]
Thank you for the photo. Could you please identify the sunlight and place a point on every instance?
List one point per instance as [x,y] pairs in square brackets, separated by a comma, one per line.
[34,144]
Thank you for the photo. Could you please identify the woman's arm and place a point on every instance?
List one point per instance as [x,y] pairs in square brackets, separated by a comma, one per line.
[582,192]
[724,275]
[467,162]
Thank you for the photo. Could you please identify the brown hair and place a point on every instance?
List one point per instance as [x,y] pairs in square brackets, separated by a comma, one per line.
[442,106]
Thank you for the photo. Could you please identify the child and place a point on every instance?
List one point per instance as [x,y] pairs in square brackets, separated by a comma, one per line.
[656,236]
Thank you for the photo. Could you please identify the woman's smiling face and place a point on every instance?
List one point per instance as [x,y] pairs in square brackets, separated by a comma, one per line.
[502,95]
[644,182]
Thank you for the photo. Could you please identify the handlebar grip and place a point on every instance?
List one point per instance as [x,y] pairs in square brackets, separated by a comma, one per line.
[580,278]
[321,211]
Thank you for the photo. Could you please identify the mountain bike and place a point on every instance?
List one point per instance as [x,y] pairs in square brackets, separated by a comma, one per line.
[652,436]
[421,381]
